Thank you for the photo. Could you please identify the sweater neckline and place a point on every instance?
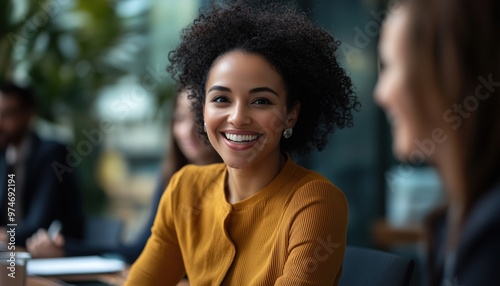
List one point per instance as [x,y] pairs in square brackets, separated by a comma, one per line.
[271,189]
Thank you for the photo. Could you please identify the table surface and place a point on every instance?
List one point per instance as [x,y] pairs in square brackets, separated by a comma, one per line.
[109,279]
[42,281]
[387,236]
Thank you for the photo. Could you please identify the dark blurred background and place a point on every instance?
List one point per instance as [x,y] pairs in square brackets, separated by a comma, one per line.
[101,63]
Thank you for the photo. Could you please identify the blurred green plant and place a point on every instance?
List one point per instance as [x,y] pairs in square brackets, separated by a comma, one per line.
[69,50]
[63,47]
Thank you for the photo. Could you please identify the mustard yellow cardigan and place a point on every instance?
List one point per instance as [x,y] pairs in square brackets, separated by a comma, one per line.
[292,232]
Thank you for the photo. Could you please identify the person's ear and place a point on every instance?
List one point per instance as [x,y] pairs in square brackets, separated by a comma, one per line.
[293,115]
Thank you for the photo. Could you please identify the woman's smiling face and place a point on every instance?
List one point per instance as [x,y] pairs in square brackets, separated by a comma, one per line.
[245,109]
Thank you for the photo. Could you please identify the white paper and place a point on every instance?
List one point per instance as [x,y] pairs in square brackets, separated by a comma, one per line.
[73,265]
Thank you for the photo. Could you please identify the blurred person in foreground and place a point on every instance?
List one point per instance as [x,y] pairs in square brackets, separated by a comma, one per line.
[440,88]
[266,84]
[40,194]
[185,147]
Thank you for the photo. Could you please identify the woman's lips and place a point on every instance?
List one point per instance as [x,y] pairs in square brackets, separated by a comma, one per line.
[240,140]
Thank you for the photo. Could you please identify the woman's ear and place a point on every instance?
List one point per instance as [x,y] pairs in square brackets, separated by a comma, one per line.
[293,115]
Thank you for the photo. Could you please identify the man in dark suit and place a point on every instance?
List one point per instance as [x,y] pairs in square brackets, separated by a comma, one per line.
[32,195]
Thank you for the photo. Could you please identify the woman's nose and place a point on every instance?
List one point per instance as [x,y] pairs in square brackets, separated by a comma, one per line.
[239,115]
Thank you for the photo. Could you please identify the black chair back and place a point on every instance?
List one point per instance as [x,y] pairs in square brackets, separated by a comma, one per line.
[363,266]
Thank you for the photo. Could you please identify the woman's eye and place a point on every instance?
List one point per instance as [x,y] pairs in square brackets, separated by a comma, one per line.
[262,101]
[220,99]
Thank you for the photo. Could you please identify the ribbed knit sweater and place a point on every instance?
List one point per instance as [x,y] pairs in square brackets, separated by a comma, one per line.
[292,232]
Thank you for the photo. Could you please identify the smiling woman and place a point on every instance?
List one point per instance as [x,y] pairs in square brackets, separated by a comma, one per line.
[265,84]
[246,96]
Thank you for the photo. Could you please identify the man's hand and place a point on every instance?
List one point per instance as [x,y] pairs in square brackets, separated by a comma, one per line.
[40,245]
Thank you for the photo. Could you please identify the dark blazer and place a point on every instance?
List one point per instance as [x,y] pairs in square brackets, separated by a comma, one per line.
[128,252]
[131,252]
[45,198]
[477,258]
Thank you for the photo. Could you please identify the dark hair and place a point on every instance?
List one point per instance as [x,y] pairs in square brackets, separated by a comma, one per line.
[24,95]
[302,53]
[451,48]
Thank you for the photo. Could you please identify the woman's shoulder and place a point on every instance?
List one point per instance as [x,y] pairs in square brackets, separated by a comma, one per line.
[312,183]
[195,176]
[307,178]
[478,250]
[484,217]
[200,172]
[312,194]
[481,227]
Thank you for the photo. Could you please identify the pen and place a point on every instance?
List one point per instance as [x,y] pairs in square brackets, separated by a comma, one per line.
[54,229]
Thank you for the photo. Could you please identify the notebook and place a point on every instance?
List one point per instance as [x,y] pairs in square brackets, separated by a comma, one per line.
[74,265]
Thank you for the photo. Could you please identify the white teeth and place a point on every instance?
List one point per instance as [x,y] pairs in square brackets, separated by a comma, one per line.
[240,138]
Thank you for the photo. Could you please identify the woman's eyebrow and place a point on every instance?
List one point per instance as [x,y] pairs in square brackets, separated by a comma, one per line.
[219,88]
[253,90]
[263,89]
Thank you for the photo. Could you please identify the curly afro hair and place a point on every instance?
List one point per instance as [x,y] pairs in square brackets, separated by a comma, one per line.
[302,53]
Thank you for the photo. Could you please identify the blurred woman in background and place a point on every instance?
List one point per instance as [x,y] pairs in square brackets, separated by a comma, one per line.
[185,147]
[440,87]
